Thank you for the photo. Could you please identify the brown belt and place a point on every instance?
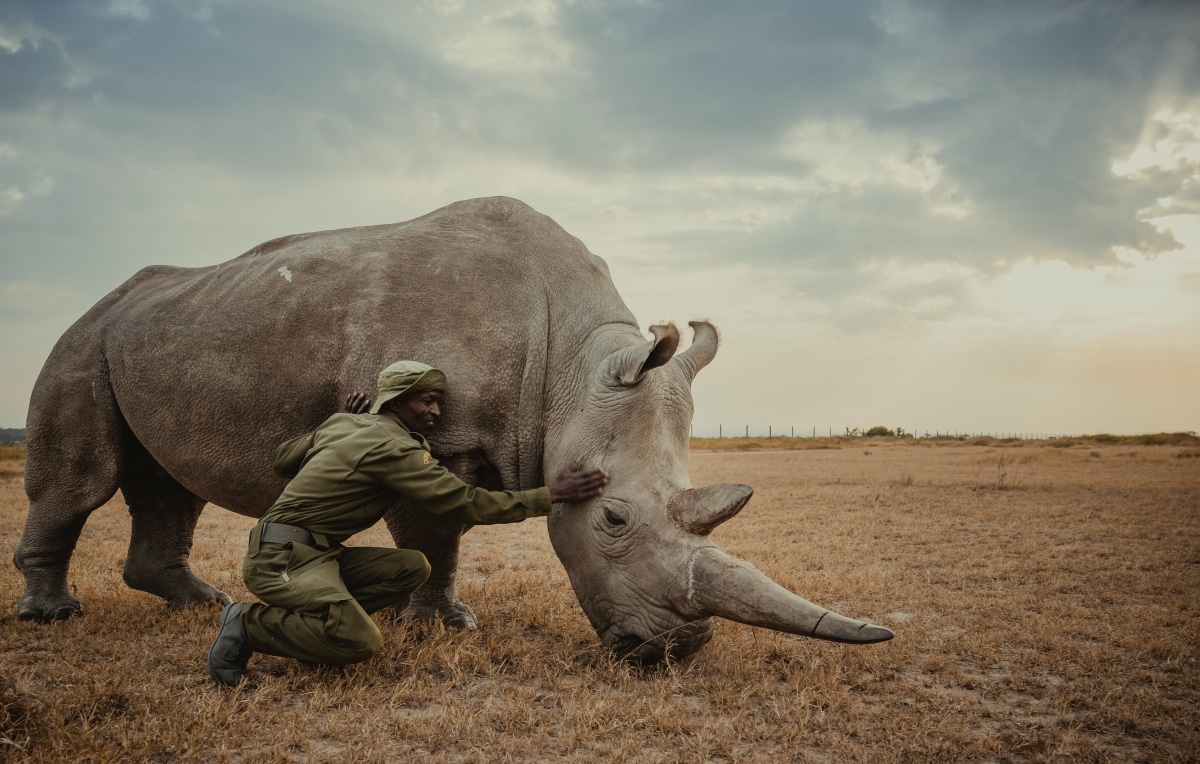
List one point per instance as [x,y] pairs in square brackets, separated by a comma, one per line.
[278,533]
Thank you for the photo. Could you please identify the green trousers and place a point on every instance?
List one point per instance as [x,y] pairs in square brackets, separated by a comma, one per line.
[319,601]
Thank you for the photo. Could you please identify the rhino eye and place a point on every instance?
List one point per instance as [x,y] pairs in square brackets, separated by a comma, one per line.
[613,518]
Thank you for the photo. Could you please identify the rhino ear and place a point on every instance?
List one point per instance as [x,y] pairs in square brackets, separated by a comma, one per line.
[629,365]
[704,347]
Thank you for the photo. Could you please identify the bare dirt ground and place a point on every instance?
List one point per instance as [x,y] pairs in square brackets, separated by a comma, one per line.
[1044,602]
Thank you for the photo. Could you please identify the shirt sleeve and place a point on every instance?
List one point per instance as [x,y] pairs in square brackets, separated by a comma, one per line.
[289,455]
[416,475]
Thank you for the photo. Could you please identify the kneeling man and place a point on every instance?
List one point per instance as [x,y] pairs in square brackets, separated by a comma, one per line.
[345,474]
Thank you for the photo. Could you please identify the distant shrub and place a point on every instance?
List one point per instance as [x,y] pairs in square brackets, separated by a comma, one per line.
[879,431]
[1168,439]
[12,452]
[1151,439]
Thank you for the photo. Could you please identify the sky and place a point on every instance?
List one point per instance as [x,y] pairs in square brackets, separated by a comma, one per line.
[959,216]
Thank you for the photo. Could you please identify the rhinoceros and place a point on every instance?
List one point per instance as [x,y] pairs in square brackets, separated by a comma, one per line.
[176,387]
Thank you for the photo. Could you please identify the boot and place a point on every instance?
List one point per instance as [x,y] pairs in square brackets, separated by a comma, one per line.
[230,650]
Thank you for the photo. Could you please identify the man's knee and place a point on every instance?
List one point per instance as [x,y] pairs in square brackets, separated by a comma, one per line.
[362,651]
[422,570]
[412,567]
[352,635]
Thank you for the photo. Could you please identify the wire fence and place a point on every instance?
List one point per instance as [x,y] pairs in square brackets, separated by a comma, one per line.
[827,431]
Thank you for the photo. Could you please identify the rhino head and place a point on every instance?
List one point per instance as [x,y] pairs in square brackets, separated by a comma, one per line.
[639,558]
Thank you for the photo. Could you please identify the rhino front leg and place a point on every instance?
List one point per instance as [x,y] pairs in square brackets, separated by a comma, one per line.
[438,540]
[164,516]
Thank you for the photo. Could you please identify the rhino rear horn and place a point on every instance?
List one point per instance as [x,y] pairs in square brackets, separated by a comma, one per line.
[699,510]
[730,588]
[630,364]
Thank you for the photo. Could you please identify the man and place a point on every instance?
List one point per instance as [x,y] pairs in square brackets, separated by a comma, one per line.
[319,594]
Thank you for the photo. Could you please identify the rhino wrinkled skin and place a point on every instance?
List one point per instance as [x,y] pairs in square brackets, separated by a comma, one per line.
[176,387]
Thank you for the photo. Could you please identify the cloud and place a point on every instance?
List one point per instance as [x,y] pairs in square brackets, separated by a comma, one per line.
[1168,156]
[986,137]
[873,164]
[134,9]
[31,72]
[522,42]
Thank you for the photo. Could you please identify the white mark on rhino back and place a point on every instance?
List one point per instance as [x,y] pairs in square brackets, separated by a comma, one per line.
[287,275]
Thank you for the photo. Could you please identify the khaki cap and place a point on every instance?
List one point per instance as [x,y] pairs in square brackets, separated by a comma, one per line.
[407,377]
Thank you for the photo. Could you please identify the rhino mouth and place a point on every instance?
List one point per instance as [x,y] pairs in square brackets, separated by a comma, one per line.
[673,644]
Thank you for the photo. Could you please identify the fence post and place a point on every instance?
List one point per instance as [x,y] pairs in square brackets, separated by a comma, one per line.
[747,431]
[770,431]
[720,429]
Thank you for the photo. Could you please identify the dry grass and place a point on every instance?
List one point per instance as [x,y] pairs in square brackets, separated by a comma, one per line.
[768,444]
[781,443]
[12,461]
[1048,614]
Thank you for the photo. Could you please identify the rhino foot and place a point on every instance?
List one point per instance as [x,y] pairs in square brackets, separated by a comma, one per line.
[46,597]
[209,596]
[48,608]
[179,586]
[455,615]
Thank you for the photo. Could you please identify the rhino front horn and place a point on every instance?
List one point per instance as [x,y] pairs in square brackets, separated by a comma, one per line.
[727,587]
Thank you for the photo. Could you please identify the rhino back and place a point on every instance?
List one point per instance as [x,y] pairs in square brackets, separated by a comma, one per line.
[212,367]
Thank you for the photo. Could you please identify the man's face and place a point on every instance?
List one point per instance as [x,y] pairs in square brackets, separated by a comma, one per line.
[419,412]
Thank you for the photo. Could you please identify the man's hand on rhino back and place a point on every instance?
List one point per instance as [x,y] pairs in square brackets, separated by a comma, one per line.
[357,403]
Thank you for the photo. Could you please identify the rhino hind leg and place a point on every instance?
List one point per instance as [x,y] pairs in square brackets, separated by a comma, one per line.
[164,516]
[43,556]
[58,509]
[75,459]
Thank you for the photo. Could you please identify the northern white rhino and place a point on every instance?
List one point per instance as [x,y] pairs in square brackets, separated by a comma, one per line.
[178,385]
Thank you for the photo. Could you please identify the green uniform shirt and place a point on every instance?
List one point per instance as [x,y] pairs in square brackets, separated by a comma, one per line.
[349,470]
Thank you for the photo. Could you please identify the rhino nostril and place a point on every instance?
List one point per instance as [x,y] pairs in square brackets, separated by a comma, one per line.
[626,645]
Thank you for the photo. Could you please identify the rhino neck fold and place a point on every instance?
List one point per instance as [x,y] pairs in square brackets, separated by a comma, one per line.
[573,364]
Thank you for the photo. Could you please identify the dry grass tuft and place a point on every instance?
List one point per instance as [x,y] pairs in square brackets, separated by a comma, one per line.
[1057,621]
[19,721]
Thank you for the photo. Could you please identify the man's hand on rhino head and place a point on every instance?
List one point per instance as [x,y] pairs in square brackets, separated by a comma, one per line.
[576,484]
[357,403]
